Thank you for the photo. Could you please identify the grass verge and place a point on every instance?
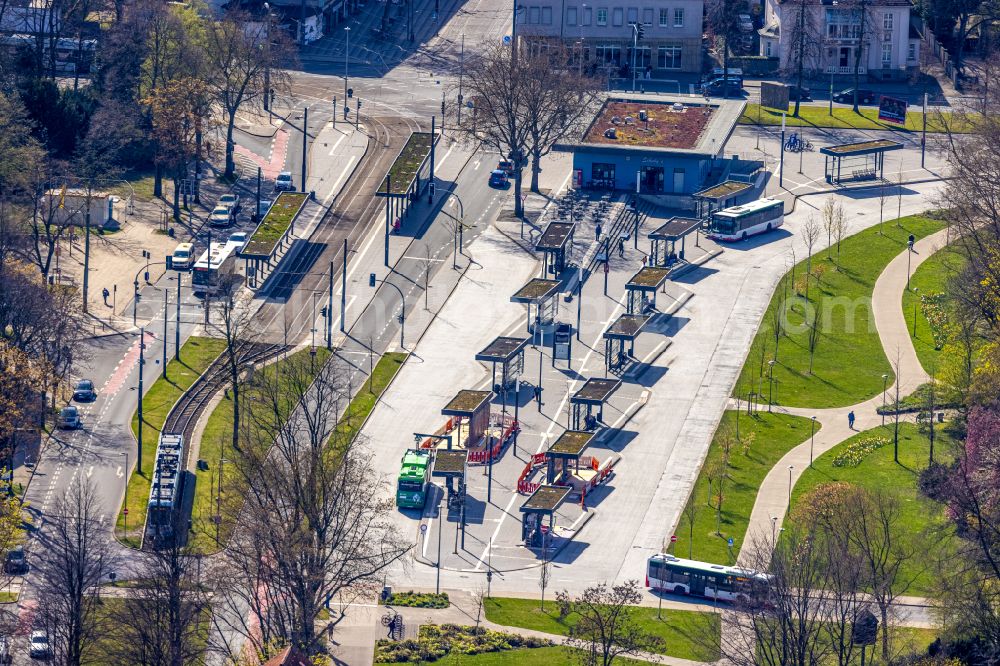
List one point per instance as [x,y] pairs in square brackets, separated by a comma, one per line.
[921,520]
[764,439]
[367,397]
[216,444]
[928,292]
[685,633]
[848,360]
[844,117]
[195,357]
[546,656]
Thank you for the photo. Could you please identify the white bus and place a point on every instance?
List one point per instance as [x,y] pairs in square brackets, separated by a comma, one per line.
[740,222]
[667,573]
[213,266]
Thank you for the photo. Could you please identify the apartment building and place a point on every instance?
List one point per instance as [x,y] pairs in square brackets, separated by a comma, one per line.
[889,38]
[600,33]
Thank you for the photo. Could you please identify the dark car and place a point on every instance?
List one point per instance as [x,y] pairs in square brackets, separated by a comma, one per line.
[84,391]
[498,178]
[729,87]
[796,93]
[16,563]
[507,167]
[847,96]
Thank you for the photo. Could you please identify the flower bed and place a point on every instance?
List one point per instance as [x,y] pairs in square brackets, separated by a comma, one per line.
[855,454]
[437,641]
[279,217]
[933,307]
[417,600]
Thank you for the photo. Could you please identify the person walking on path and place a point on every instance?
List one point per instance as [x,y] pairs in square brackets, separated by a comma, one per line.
[597,231]
[621,247]
[850,419]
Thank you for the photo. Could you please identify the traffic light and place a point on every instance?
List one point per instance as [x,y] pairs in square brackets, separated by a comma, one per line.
[350,93]
[639,31]
[322,311]
[371,279]
[442,107]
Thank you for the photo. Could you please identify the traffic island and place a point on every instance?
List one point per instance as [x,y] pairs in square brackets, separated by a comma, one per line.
[405,180]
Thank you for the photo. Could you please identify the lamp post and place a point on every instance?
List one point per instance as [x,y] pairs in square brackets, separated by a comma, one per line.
[770,384]
[885,383]
[790,469]
[812,440]
[916,293]
[267,60]
[458,235]
[347,47]
[125,500]
[774,528]
[372,281]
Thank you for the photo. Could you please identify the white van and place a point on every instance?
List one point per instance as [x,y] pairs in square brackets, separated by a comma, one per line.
[183,256]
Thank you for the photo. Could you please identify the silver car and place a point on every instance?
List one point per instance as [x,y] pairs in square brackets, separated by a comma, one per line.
[39,647]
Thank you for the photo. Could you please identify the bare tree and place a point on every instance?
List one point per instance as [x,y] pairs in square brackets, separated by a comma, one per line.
[815,326]
[76,553]
[723,24]
[607,627]
[810,234]
[805,38]
[829,215]
[840,229]
[239,333]
[544,575]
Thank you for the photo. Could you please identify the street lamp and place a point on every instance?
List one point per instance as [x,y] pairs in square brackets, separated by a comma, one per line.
[347,48]
[770,384]
[790,469]
[774,528]
[267,59]
[885,382]
[812,440]
[457,237]
[372,281]
[125,500]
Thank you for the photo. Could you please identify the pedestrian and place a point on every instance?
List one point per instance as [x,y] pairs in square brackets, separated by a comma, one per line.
[850,420]
[621,247]
[597,229]
[105,293]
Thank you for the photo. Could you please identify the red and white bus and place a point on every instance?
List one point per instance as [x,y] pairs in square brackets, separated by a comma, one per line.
[666,573]
[741,222]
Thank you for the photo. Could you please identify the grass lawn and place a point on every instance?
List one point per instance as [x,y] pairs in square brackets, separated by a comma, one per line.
[843,117]
[684,632]
[849,360]
[275,223]
[7,597]
[877,471]
[196,355]
[109,641]
[546,656]
[215,444]
[772,435]
[926,283]
[365,399]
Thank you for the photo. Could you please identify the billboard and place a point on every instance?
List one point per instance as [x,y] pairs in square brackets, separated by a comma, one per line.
[774,95]
[892,110]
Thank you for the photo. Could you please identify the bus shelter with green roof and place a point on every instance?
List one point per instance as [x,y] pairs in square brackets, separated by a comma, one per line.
[564,453]
[590,398]
[542,294]
[852,162]
[553,242]
[508,353]
[470,413]
[538,514]
[663,240]
[452,466]
[619,340]
[641,288]
[722,195]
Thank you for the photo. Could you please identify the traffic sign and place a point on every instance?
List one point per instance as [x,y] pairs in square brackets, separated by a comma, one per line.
[730,542]
[125,511]
[423,528]
[506,39]
[673,538]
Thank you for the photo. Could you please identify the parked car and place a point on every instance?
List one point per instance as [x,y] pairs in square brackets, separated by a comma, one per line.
[16,563]
[283,183]
[263,205]
[865,96]
[232,201]
[69,418]
[507,167]
[39,647]
[182,257]
[729,87]
[84,391]
[746,23]
[220,217]
[716,73]
[498,178]
[239,239]
[796,93]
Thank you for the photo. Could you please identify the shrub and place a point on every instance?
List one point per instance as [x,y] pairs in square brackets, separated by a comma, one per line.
[856,452]
[437,641]
[418,600]
[933,481]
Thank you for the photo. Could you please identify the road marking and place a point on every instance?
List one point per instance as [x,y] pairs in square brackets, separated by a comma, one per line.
[336,185]
[335,144]
[118,472]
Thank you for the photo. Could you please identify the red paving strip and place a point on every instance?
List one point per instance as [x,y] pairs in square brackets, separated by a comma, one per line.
[117,379]
[279,150]
[26,617]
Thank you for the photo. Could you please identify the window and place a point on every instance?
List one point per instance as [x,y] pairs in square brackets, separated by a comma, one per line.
[571,16]
[843,24]
[602,16]
[664,17]
[633,14]
[886,56]
[677,576]
[533,14]
[647,16]
[679,18]
[609,54]
[587,13]
[546,16]
[605,172]
[669,57]
[911,52]
[767,48]
[618,17]
[887,21]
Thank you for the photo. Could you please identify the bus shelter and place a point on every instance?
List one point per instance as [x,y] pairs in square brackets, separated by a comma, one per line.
[853,162]
[641,288]
[553,243]
[663,241]
[619,340]
[541,294]
[508,353]
[452,467]
[470,416]
[590,399]
[723,195]
[539,509]
[563,458]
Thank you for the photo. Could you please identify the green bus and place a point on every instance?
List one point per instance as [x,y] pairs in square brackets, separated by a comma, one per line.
[414,478]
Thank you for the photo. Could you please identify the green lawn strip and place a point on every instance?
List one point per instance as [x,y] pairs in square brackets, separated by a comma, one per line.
[367,396]
[770,436]
[110,613]
[849,360]
[844,117]
[195,357]
[928,291]
[7,597]
[919,515]
[546,656]
[685,633]
[275,223]
[216,443]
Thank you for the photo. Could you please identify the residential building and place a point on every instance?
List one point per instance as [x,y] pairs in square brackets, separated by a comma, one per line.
[601,32]
[889,37]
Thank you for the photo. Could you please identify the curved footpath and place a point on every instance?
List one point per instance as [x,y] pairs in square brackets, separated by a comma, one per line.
[887,297]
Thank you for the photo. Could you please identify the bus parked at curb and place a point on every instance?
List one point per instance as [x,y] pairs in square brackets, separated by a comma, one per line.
[414,479]
[666,573]
[213,268]
[749,219]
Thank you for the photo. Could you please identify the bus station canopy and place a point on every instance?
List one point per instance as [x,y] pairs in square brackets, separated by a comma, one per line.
[675,229]
[571,444]
[467,402]
[627,326]
[861,148]
[649,278]
[555,236]
[537,290]
[546,500]
[502,349]
[450,462]
[722,191]
[595,391]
